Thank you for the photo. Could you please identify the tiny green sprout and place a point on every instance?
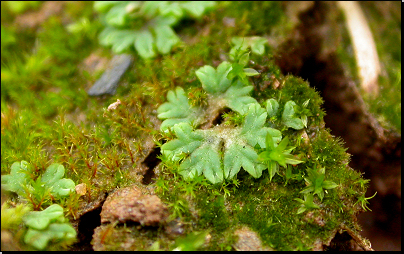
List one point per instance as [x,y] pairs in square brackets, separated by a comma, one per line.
[272,106]
[274,156]
[178,208]
[290,176]
[303,112]
[307,203]
[241,58]
[316,183]
[256,43]
[295,116]
[233,118]
[364,201]
[362,182]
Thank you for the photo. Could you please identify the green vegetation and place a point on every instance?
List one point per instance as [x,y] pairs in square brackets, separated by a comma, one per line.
[145,25]
[48,119]
[46,188]
[48,225]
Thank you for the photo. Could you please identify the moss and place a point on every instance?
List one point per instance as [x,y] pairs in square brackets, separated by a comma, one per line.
[48,117]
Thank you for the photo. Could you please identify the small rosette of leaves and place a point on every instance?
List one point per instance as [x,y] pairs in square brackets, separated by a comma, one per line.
[51,182]
[48,225]
[277,155]
[316,182]
[241,58]
[220,152]
[307,203]
[221,93]
[146,26]
[294,116]
[255,43]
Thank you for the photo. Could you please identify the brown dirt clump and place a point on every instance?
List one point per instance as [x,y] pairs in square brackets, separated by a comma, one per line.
[130,204]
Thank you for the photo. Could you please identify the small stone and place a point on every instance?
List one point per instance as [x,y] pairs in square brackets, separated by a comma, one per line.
[248,240]
[130,204]
[108,82]
[114,105]
[81,189]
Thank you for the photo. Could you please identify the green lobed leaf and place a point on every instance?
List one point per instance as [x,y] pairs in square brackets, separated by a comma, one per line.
[171,9]
[237,97]
[256,43]
[165,38]
[197,8]
[289,118]
[117,15]
[272,106]
[254,129]
[144,44]
[18,178]
[53,179]
[214,81]
[187,141]
[104,6]
[41,219]
[56,231]
[239,155]
[151,8]
[204,160]
[121,40]
[176,110]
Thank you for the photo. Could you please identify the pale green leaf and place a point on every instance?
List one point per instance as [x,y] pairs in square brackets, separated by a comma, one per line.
[165,38]
[289,118]
[56,231]
[197,8]
[171,9]
[272,107]
[52,179]
[121,40]
[254,129]
[214,81]
[103,6]
[237,97]
[117,15]
[239,155]
[205,160]
[329,185]
[41,219]
[176,110]
[144,44]
[18,178]
[187,142]
[250,72]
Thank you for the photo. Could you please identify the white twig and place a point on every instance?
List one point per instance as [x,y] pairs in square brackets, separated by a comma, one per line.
[364,46]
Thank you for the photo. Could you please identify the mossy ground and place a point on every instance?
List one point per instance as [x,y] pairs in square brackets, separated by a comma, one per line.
[47,117]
